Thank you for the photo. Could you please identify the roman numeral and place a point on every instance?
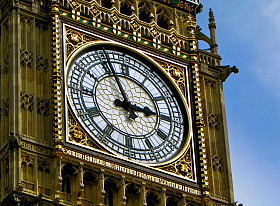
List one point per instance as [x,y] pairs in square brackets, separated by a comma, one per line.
[159,98]
[93,112]
[148,143]
[108,130]
[106,68]
[91,75]
[161,134]
[125,70]
[128,142]
[87,91]
[165,118]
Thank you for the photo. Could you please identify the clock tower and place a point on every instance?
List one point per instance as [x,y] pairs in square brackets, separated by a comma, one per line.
[111,103]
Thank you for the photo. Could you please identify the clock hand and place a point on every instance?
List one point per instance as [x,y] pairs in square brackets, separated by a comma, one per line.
[146,110]
[134,107]
[132,115]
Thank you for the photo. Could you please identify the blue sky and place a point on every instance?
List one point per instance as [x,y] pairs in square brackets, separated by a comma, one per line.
[248,35]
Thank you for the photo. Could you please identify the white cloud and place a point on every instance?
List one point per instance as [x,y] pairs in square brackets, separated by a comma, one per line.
[271,12]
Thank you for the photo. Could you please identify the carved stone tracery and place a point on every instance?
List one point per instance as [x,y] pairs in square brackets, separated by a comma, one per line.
[75,40]
[26,101]
[217,163]
[26,58]
[42,64]
[183,166]
[43,106]
[213,121]
[177,73]
[77,135]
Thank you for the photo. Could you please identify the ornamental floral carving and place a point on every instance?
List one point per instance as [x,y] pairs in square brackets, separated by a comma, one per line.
[183,166]
[42,64]
[213,121]
[75,39]
[177,73]
[77,135]
[43,106]
[26,58]
[217,163]
[26,101]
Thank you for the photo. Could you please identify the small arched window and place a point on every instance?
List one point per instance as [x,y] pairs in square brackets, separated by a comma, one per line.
[66,185]
[145,13]
[163,20]
[172,201]
[152,199]
[126,8]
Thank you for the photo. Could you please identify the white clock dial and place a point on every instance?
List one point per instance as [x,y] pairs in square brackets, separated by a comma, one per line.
[126,105]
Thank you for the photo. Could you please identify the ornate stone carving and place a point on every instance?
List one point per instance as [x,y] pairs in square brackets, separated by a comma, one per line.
[114,18]
[217,162]
[75,39]
[173,38]
[27,160]
[78,136]
[209,83]
[177,73]
[213,121]
[134,25]
[154,32]
[26,101]
[43,106]
[183,166]
[225,71]
[26,58]
[42,64]
[44,166]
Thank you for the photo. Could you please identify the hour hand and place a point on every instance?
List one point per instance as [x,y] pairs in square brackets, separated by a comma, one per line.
[146,110]
[126,106]
[133,107]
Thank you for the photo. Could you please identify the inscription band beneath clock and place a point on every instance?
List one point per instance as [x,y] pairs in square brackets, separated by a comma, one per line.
[129,171]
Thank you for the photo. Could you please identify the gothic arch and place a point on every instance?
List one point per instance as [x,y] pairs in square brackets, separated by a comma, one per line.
[68,172]
[145,10]
[132,192]
[164,18]
[111,191]
[90,188]
[152,198]
[172,201]
[127,7]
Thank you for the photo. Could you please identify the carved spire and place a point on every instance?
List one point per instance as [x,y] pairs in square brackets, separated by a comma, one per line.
[212,28]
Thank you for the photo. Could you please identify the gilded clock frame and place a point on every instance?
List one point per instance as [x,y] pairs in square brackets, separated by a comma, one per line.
[183,164]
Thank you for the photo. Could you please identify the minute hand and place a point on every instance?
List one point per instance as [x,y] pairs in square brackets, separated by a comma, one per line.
[116,77]
[132,115]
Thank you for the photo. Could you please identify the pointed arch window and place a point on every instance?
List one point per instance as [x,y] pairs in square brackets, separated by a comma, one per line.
[163,20]
[145,13]
[66,185]
[126,8]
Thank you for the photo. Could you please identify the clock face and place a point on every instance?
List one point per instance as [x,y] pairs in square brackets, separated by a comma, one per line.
[126,104]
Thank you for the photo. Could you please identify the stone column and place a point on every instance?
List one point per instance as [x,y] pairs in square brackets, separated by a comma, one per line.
[143,194]
[163,197]
[122,191]
[101,189]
